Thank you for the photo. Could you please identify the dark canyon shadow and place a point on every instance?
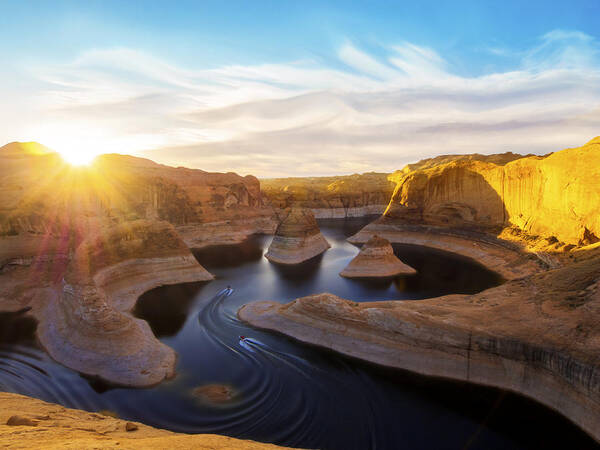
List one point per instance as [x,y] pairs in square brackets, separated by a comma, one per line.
[17,328]
[217,256]
[166,308]
[299,273]
[458,275]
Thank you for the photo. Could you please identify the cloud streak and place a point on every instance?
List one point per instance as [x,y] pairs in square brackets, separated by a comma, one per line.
[366,112]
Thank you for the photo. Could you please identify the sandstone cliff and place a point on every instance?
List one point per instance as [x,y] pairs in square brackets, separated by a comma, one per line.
[554,197]
[534,220]
[297,238]
[332,197]
[81,302]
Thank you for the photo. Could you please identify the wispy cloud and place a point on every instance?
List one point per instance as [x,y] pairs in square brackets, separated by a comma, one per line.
[308,117]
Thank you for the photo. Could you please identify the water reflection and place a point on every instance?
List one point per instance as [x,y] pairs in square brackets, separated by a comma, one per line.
[298,273]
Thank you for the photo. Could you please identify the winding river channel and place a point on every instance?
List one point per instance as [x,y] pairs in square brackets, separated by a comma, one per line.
[282,391]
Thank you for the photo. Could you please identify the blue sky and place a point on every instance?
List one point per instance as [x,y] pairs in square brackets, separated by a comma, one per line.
[297,88]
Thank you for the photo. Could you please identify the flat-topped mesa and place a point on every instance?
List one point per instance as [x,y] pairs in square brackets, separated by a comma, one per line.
[297,238]
[376,260]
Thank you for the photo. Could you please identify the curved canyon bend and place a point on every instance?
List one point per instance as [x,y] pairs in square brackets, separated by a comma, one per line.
[288,393]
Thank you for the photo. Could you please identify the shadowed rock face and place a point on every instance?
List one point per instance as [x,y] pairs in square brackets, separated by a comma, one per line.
[80,245]
[297,238]
[376,259]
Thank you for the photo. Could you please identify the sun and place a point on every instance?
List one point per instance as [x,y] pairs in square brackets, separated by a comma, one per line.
[77,157]
[77,143]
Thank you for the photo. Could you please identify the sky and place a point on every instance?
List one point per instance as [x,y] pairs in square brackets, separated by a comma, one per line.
[299,88]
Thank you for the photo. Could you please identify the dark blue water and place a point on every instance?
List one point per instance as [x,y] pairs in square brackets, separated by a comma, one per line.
[286,392]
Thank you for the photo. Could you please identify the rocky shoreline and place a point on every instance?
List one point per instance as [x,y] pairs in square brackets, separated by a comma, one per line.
[32,424]
[534,221]
[345,213]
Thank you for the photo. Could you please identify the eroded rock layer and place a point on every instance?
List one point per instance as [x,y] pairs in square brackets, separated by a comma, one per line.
[532,219]
[297,238]
[555,196]
[83,311]
[506,258]
[41,194]
[332,197]
[376,259]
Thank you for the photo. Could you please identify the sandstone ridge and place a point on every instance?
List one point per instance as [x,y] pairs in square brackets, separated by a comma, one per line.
[82,307]
[535,221]
[553,197]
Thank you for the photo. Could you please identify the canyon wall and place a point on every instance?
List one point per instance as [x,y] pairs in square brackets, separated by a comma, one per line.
[332,197]
[555,196]
[537,334]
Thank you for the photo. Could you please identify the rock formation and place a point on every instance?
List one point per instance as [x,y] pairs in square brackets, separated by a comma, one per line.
[95,238]
[29,423]
[215,393]
[532,219]
[82,304]
[332,197]
[376,259]
[555,196]
[297,238]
